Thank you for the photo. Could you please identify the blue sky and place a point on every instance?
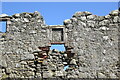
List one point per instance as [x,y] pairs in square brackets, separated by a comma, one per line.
[58,47]
[54,13]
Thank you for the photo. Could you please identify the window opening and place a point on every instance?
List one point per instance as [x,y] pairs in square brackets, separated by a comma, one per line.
[2,26]
[59,47]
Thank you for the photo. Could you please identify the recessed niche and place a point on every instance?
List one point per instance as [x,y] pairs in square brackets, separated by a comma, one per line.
[57,34]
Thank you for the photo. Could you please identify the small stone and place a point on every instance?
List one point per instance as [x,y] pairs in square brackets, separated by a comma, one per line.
[104,28]
[78,14]
[54,57]
[17,65]
[26,20]
[27,15]
[104,51]
[62,52]
[83,18]
[74,19]
[36,13]
[101,75]
[23,63]
[35,54]
[40,59]
[39,20]
[27,57]
[44,54]
[64,63]
[105,37]
[17,15]
[69,26]
[53,68]
[7,70]
[73,61]
[91,23]
[3,15]
[100,18]
[36,49]
[75,33]
[112,75]
[116,19]
[43,31]
[65,55]
[45,62]
[87,13]
[38,74]
[55,50]
[58,73]
[17,20]
[9,22]
[3,62]
[82,75]
[30,73]
[114,13]
[68,21]
[91,17]
[47,74]
[38,65]
[33,32]
[107,16]
[104,22]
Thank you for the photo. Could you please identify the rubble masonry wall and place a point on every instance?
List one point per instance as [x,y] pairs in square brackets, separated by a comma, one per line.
[94,40]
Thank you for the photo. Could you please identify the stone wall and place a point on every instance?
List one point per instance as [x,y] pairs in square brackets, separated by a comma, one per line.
[94,39]
[91,46]
[25,33]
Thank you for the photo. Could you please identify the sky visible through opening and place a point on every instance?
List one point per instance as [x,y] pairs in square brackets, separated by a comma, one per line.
[58,47]
[3,26]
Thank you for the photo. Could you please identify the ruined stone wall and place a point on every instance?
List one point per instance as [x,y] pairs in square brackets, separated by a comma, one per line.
[26,29]
[94,39]
[25,33]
